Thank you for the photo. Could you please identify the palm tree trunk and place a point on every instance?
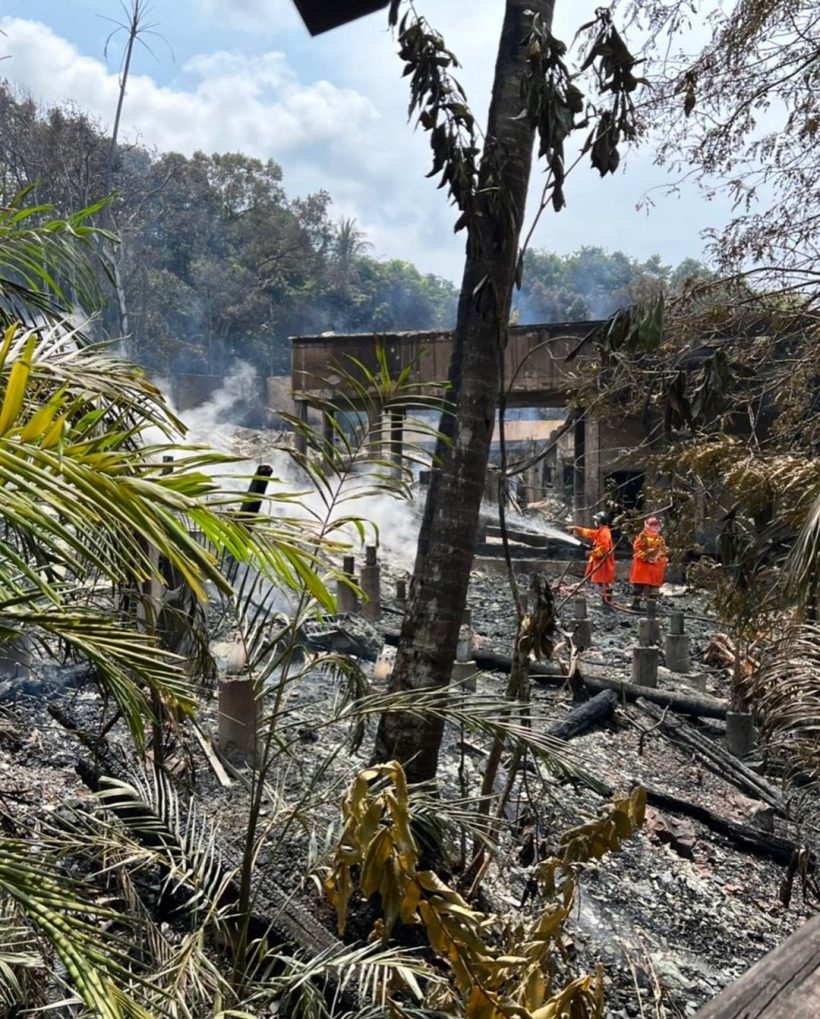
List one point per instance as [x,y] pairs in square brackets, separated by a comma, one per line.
[445,550]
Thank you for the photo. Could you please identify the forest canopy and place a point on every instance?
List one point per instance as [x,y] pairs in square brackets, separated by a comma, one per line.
[218,261]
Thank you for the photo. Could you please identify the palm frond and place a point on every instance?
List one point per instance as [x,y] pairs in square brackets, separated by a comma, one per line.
[785,694]
[19,953]
[67,914]
[483,715]
[318,986]
[176,835]
[47,265]
[127,661]
[803,567]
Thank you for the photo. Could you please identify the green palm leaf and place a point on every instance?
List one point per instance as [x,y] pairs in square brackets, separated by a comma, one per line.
[66,915]
[47,266]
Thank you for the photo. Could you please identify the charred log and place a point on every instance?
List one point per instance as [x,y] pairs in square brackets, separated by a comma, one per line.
[717,759]
[600,709]
[548,672]
[751,840]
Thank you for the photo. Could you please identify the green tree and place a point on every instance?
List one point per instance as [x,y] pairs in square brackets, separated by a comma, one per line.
[217,262]
[741,115]
[248,258]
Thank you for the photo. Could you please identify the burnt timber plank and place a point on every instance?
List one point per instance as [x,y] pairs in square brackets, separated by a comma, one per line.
[785,984]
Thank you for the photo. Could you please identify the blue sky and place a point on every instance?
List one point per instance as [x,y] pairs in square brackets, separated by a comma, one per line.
[244,75]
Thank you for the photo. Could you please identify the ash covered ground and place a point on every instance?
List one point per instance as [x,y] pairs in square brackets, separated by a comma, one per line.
[677,914]
[680,911]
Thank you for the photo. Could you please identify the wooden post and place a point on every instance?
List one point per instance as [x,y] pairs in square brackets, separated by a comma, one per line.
[593,490]
[492,487]
[328,437]
[375,433]
[397,440]
[579,468]
[257,488]
[250,506]
[302,414]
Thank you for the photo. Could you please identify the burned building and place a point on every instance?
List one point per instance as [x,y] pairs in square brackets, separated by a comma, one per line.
[588,458]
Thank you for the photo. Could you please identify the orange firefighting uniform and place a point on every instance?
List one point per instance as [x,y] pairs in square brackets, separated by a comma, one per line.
[649,555]
[601,563]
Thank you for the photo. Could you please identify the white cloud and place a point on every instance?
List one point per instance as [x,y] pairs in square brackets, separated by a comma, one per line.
[332,111]
[253,103]
[252,15]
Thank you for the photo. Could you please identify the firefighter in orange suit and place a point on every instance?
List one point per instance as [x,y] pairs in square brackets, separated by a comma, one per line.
[601,563]
[649,556]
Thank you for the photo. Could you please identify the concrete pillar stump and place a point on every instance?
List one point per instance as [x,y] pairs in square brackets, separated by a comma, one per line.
[645,666]
[345,595]
[676,650]
[740,733]
[370,582]
[464,674]
[676,623]
[676,647]
[238,714]
[464,649]
[652,616]
[646,632]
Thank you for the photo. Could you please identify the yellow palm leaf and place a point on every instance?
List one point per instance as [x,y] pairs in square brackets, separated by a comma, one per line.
[16,387]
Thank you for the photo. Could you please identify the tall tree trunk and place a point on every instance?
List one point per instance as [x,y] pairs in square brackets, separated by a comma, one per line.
[445,550]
